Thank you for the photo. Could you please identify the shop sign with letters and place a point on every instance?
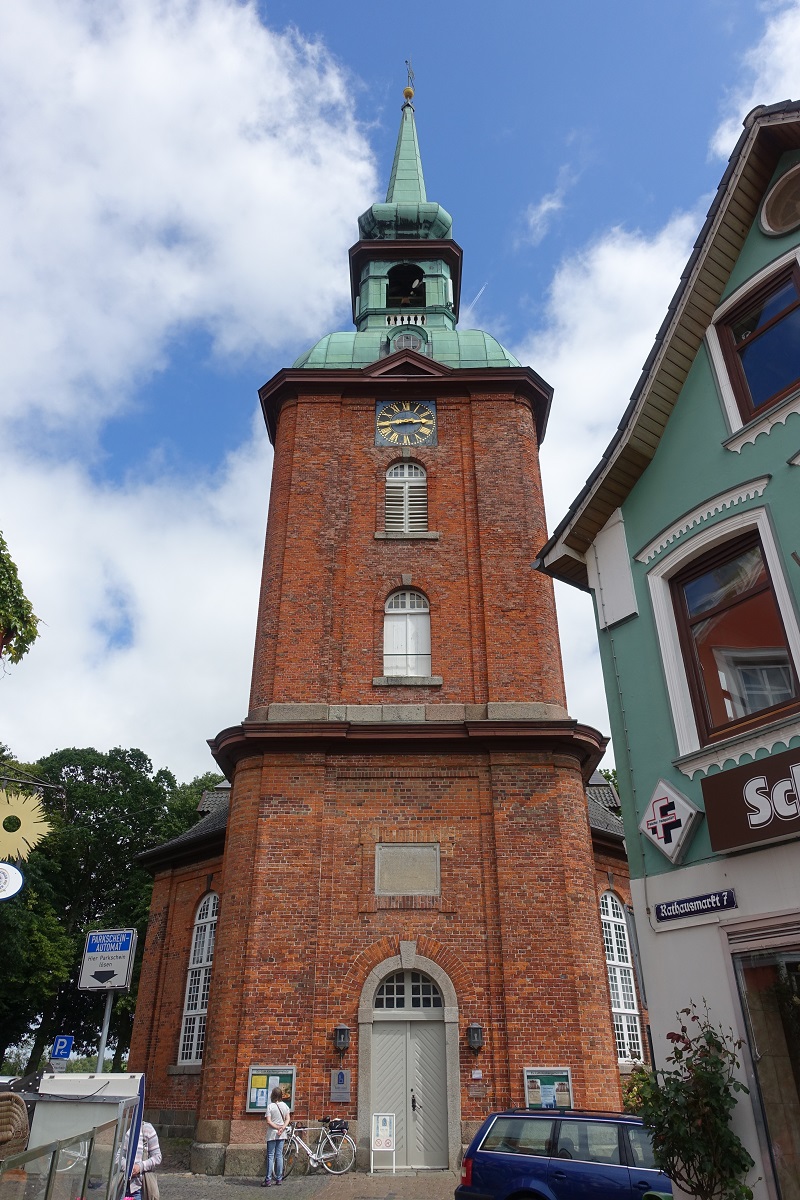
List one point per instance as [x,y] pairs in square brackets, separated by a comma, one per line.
[753,804]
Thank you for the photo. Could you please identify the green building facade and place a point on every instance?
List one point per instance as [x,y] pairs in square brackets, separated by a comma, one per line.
[688,536]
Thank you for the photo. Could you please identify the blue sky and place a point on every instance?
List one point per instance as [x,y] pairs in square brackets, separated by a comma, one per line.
[181,182]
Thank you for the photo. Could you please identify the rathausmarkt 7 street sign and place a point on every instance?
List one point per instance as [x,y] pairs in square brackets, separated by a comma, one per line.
[107,960]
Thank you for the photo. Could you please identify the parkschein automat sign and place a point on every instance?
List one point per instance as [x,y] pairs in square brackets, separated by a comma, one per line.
[107,960]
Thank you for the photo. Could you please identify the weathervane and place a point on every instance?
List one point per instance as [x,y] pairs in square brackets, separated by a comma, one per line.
[408,90]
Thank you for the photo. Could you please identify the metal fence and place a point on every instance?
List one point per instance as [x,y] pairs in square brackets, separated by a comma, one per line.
[84,1166]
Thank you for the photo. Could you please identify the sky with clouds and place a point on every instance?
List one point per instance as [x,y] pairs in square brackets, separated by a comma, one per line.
[180,184]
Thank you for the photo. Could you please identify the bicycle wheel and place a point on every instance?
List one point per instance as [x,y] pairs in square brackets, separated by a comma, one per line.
[344,1156]
[291,1153]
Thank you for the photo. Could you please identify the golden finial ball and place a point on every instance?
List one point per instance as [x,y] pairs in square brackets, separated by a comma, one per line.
[408,92]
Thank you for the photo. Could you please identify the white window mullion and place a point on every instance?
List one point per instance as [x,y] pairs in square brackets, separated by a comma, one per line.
[198,981]
[406,635]
[624,1009]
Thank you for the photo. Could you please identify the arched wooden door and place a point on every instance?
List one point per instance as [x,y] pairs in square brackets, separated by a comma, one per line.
[409,1067]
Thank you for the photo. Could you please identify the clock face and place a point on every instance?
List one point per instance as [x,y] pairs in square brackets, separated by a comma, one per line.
[405,423]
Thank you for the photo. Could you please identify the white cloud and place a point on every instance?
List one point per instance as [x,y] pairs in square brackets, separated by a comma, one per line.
[539,217]
[148,596]
[167,165]
[603,310]
[163,164]
[772,69]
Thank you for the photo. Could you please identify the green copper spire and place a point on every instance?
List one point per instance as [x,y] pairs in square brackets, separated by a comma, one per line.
[407,184]
[406,213]
[405,277]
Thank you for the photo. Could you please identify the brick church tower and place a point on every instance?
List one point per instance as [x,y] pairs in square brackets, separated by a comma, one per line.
[408,864]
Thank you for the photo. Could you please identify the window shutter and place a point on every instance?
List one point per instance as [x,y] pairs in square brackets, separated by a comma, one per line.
[417,496]
[406,509]
[395,508]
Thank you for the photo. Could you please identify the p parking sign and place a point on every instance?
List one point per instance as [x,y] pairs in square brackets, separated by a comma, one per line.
[62,1045]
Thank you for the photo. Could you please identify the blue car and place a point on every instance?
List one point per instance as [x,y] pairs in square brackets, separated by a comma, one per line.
[569,1155]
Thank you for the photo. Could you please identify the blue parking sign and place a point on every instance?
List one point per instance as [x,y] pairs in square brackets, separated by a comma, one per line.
[62,1045]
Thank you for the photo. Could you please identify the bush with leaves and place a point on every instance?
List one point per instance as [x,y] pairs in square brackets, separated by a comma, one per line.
[688,1110]
[19,625]
[632,1088]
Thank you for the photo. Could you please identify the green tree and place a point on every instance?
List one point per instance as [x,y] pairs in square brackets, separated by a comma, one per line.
[83,876]
[19,625]
[688,1110]
[610,774]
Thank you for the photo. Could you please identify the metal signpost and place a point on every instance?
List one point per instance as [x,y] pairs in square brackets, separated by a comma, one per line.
[106,967]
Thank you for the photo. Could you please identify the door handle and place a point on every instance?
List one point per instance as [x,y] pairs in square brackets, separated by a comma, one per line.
[414,1101]
[559,1174]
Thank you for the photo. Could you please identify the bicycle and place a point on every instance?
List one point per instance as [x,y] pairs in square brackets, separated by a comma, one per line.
[335,1149]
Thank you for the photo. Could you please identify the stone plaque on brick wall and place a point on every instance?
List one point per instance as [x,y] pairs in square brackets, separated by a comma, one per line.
[407,869]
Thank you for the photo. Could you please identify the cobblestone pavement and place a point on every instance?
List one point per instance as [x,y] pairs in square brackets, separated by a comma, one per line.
[356,1185]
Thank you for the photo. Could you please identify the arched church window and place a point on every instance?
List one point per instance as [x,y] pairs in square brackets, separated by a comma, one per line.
[405,287]
[408,989]
[407,635]
[406,499]
[624,1009]
[195,1007]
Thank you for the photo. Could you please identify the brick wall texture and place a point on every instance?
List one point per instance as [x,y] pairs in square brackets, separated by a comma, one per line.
[516,927]
[326,576]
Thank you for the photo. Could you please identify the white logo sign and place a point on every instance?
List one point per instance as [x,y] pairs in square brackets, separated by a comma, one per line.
[668,820]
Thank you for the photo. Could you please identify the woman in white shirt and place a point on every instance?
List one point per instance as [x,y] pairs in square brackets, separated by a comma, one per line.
[148,1157]
[277,1116]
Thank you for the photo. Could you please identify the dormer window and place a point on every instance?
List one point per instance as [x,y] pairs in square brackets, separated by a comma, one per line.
[405,287]
[760,342]
[407,341]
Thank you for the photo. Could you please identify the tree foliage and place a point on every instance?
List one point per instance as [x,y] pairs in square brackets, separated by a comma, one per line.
[688,1110]
[19,625]
[610,774]
[109,808]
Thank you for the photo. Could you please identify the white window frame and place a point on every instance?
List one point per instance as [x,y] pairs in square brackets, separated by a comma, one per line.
[621,980]
[419,997]
[415,626]
[675,674]
[719,366]
[406,498]
[198,981]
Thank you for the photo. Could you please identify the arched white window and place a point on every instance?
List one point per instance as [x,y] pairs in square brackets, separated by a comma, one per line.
[408,989]
[406,499]
[195,1007]
[407,635]
[624,1009]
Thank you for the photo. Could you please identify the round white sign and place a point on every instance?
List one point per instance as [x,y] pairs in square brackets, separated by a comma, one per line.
[11,880]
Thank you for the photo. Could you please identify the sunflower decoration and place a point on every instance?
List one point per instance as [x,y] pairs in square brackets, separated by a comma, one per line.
[22,824]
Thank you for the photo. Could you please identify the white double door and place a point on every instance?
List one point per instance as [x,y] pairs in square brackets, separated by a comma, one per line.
[409,1079]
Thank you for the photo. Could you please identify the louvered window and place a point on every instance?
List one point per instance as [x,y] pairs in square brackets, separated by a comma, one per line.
[407,635]
[406,499]
[624,1009]
[195,1007]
